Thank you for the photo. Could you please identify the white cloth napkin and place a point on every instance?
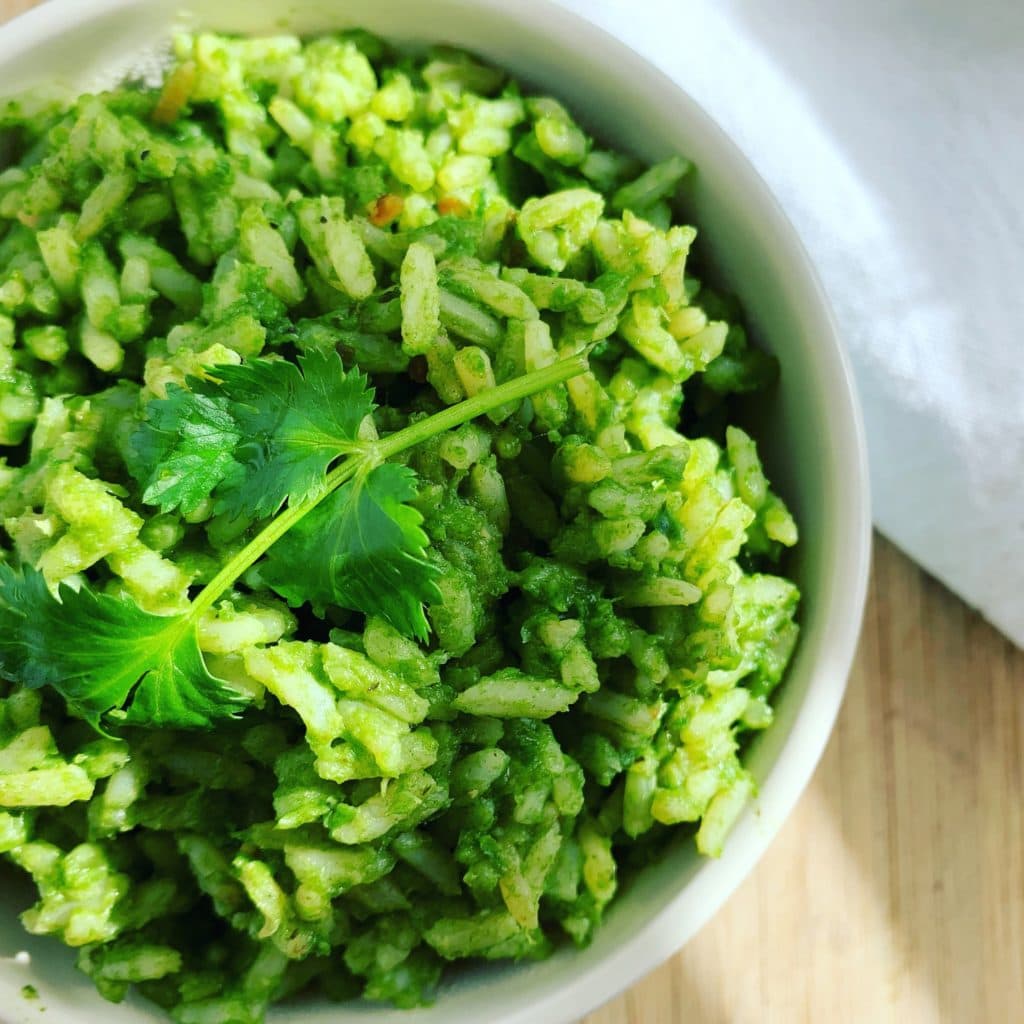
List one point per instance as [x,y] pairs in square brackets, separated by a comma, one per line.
[892,131]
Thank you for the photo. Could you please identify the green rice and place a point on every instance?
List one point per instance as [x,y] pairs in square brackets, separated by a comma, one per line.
[609,627]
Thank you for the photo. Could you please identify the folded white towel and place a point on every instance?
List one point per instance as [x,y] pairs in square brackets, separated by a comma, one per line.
[892,131]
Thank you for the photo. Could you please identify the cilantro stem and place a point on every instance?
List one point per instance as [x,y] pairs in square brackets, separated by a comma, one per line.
[269,535]
[455,415]
[372,453]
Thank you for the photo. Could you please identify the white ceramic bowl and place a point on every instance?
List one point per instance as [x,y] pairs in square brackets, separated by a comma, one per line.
[811,432]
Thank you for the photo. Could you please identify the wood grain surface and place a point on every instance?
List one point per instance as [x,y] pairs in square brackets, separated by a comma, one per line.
[9,8]
[896,890]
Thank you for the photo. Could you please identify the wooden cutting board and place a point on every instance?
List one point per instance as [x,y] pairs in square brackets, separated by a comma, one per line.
[896,890]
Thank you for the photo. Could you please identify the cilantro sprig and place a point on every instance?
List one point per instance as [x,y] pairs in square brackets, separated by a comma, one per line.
[266,437]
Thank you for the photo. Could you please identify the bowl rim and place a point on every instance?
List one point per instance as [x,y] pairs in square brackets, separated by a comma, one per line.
[660,935]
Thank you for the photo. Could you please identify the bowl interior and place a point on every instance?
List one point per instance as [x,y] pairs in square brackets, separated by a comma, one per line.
[809,431]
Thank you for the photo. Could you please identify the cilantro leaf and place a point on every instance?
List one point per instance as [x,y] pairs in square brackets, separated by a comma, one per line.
[184,449]
[362,548]
[295,420]
[258,435]
[100,652]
